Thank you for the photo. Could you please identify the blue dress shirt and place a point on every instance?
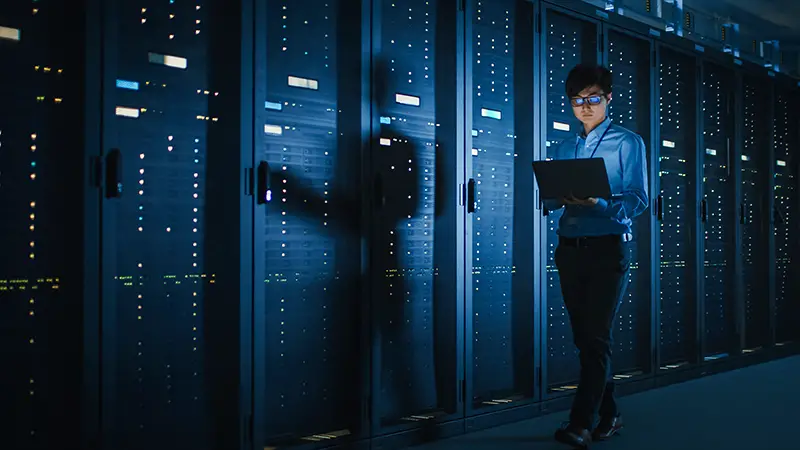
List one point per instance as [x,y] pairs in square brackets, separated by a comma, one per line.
[626,162]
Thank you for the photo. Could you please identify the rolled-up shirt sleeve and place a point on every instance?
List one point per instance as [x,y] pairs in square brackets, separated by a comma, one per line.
[634,196]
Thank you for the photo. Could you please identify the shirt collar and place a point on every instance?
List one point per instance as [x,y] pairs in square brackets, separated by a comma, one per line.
[600,129]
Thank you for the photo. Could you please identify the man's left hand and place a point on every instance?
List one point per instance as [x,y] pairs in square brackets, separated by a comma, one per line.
[571,200]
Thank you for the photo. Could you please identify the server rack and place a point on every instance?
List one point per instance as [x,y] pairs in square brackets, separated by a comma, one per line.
[46,196]
[754,153]
[719,307]
[311,345]
[414,257]
[630,56]
[785,164]
[170,279]
[566,41]
[677,205]
[500,254]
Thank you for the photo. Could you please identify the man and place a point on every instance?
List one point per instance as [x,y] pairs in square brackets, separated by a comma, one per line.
[593,257]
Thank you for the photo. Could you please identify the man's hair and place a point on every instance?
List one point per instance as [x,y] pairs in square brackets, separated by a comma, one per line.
[583,76]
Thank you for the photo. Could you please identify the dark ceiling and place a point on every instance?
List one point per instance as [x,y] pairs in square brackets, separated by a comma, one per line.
[769,19]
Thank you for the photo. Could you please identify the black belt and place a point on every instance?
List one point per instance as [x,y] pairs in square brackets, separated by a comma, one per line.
[594,240]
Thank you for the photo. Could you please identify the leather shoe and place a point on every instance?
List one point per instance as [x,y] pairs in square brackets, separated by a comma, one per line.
[607,427]
[574,436]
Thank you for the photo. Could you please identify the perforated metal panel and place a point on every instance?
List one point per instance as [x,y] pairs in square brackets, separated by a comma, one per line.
[405,161]
[629,62]
[312,252]
[158,115]
[502,256]
[786,143]
[755,191]
[719,195]
[569,41]
[41,220]
[676,77]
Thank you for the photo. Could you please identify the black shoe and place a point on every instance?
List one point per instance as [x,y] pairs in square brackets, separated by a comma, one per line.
[574,436]
[607,427]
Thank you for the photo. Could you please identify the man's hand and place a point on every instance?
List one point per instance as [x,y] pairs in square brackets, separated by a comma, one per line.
[571,200]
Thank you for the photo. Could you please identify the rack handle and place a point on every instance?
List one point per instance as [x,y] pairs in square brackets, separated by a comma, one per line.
[704,210]
[263,183]
[471,196]
[113,175]
[660,208]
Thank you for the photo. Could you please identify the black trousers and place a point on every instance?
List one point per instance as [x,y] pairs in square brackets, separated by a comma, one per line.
[593,273]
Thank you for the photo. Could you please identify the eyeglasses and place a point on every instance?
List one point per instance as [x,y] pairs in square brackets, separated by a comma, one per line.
[594,99]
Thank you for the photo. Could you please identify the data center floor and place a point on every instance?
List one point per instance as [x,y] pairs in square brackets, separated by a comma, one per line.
[738,410]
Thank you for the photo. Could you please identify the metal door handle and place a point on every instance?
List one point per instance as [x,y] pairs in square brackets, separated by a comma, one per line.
[263,183]
[660,208]
[743,213]
[113,178]
[471,196]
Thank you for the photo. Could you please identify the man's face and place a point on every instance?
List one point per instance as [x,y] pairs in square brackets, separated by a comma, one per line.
[590,105]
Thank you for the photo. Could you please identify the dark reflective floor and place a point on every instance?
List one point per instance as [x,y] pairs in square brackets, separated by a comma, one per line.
[738,410]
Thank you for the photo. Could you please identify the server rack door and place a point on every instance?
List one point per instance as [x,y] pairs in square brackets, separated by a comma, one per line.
[630,60]
[41,224]
[677,170]
[308,238]
[568,41]
[413,255]
[161,132]
[754,210]
[785,198]
[719,212]
[502,252]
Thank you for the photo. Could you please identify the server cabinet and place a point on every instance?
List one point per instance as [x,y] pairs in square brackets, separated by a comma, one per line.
[677,207]
[718,213]
[630,60]
[754,210]
[786,143]
[414,229]
[43,187]
[170,305]
[311,376]
[567,41]
[500,312]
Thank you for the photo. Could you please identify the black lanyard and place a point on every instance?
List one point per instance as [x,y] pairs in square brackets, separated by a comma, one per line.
[595,147]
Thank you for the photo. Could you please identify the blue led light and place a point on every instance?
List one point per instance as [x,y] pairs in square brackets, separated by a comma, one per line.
[273,105]
[124,84]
